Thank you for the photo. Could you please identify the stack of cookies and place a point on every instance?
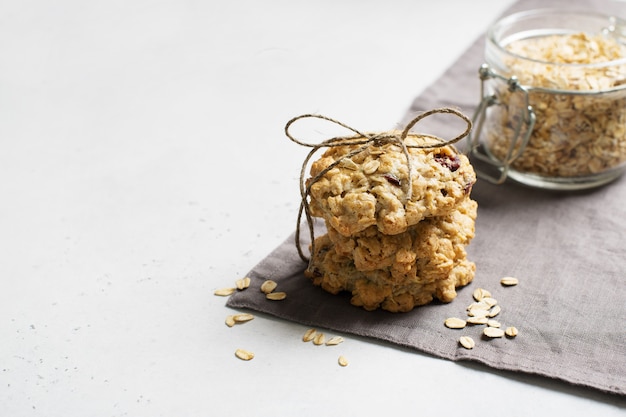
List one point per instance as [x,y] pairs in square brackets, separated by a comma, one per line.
[394,240]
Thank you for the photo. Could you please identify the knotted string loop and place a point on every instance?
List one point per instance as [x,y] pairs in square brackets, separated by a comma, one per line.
[363,141]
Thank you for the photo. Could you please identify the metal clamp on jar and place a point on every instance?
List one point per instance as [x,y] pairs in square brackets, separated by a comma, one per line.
[553,100]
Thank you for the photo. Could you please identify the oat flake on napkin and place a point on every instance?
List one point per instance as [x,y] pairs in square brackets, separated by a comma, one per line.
[568,250]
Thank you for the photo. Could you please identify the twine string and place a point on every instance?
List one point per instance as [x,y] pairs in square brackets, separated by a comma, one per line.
[363,141]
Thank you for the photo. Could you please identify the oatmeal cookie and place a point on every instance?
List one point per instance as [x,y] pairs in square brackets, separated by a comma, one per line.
[423,243]
[370,188]
[398,272]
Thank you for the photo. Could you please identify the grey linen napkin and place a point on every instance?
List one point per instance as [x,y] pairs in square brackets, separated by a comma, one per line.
[567,249]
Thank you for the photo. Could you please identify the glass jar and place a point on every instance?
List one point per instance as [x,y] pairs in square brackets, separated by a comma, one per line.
[553,106]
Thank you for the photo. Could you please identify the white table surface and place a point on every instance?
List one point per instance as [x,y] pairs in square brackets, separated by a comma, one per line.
[143,165]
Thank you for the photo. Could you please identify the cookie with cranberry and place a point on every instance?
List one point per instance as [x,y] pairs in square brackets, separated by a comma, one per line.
[371,188]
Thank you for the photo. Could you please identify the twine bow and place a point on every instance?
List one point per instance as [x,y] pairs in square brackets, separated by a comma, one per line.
[365,140]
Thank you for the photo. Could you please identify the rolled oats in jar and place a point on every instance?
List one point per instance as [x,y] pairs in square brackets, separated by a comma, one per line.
[553,108]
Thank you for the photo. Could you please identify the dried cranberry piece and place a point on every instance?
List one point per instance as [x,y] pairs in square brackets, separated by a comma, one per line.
[315,272]
[468,187]
[392,179]
[452,162]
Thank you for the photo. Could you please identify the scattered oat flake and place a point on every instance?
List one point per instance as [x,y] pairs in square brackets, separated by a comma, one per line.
[242,318]
[479,305]
[493,323]
[493,332]
[244,355]
[268,286]
[335,340]
[455,323]
[342,361]
[489,301]
[511,331]
[319,339]
[480,293]
[477,320]
[467,342]
[223,292]
[243,283]
[276,296]
[309,335]
[478,312]
[230,321]
[509,281]
[495,310]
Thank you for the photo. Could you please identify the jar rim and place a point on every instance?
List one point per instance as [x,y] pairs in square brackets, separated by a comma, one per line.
[615,26]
